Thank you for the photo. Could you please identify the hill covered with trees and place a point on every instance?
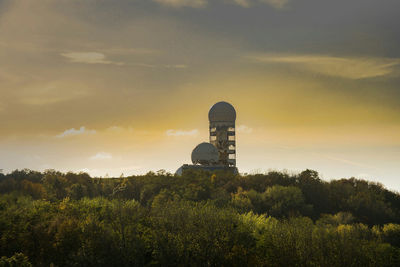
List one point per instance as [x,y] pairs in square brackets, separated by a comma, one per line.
[198,219]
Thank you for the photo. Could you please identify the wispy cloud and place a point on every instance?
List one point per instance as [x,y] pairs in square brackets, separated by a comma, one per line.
[178,66]
[274,3]
[243,3]
[244,129]
[119,130]
[161,66]
[183,3]
[125,50]
[115,129]
[202,3]
[89,58]
[344,67]
[345,161]
[51,93]
[74,132]
[101,156]
[172,132]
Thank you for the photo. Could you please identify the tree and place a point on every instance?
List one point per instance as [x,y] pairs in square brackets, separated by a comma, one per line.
[284,201]
[18,259]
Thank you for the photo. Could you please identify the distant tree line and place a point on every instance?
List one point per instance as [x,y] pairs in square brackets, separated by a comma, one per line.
[198,219]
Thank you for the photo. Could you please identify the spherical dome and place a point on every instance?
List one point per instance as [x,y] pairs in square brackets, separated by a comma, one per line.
[179,171]
[205,154]
[222,112]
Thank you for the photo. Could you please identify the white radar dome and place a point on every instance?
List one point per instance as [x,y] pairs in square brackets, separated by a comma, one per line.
[205,154]
[222,112]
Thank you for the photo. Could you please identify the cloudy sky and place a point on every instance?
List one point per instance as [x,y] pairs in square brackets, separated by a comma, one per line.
[124,86]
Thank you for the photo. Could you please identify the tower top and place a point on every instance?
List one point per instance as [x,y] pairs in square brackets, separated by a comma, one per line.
[222,112]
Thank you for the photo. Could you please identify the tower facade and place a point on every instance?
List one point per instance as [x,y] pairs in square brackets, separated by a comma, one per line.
[222,117]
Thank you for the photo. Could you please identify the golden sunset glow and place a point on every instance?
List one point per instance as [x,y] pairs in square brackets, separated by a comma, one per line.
[112,87]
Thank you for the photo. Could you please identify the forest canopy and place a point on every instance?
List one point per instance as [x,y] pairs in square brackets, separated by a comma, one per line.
[197,219]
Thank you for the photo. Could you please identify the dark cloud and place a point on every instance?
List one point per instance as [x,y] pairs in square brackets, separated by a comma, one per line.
[4,6]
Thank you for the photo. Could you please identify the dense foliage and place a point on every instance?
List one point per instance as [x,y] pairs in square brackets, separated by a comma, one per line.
[199,219]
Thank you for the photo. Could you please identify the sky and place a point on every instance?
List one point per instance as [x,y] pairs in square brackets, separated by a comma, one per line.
[113,87]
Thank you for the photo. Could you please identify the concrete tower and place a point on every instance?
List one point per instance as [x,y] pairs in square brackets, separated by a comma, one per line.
[222,117]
